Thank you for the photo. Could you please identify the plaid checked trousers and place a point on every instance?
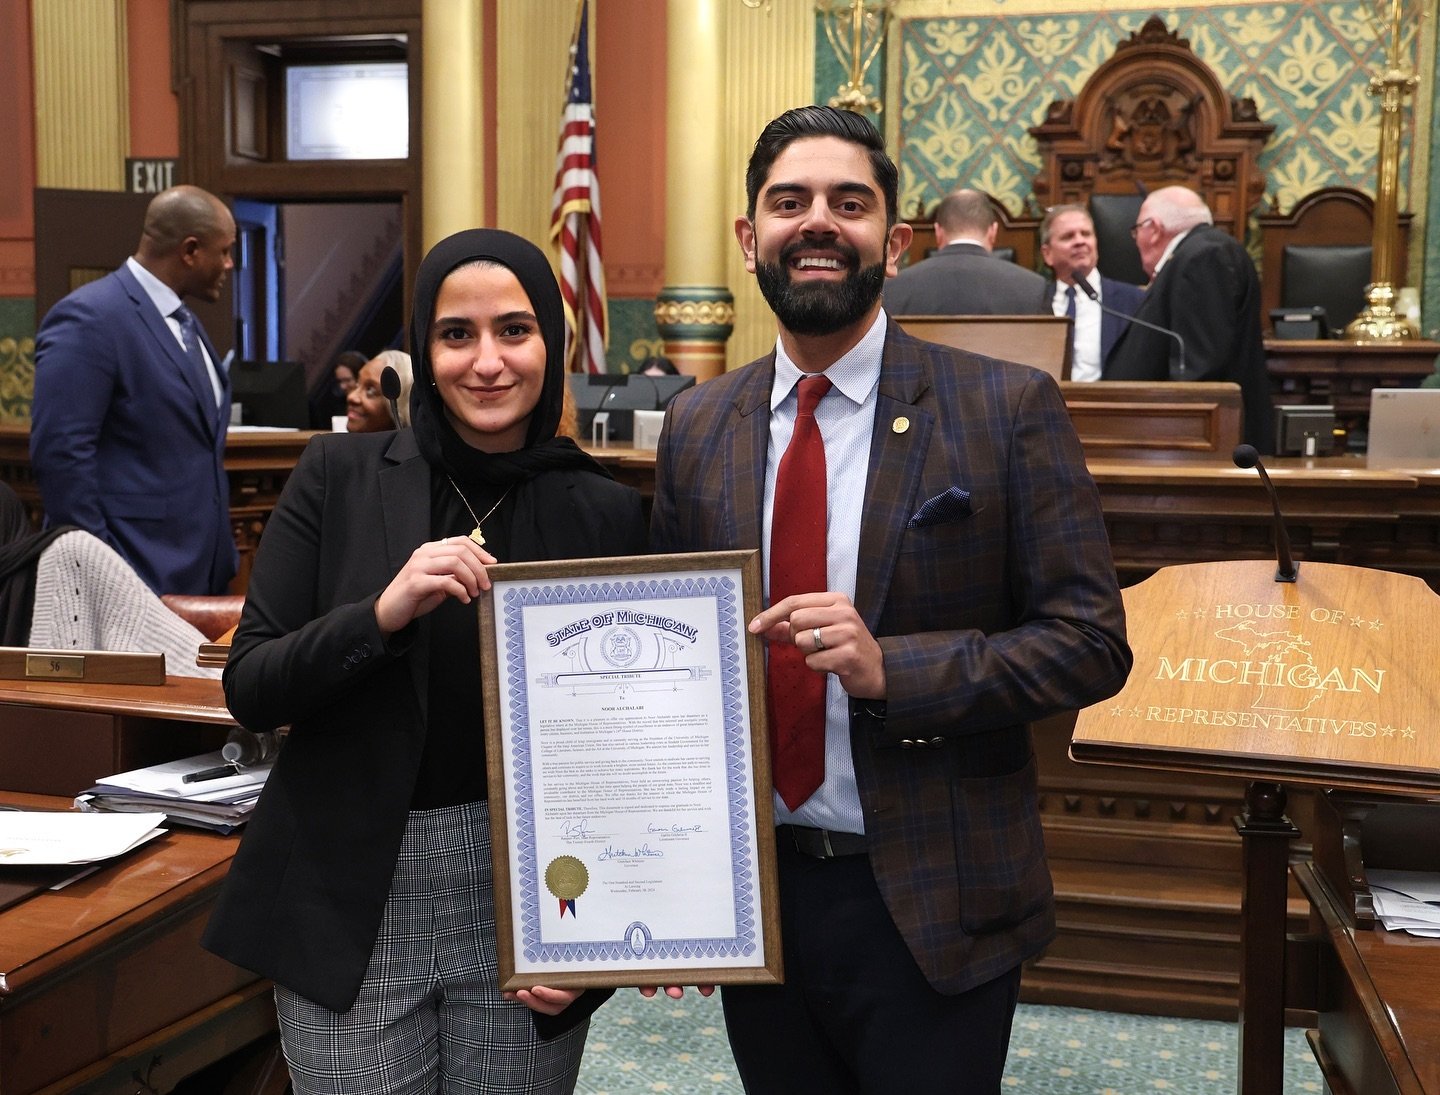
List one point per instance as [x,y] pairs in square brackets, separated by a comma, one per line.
[430,1017]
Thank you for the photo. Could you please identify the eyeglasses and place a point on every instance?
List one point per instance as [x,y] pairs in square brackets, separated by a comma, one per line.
[1135,228]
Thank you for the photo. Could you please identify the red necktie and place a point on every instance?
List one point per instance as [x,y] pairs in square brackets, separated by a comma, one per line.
[797,565]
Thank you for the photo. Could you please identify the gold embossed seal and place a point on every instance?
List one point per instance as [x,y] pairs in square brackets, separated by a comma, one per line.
[566,878]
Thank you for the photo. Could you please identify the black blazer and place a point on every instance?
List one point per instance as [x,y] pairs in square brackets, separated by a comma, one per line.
[1209,294]
[303,900]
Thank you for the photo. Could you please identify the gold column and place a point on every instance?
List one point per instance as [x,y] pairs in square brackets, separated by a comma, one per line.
[730,68]
[82,99]
[532,52]
[452,96]
[771,69]
[694,311]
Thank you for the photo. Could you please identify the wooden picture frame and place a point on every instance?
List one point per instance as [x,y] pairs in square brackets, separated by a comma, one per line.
[629,772]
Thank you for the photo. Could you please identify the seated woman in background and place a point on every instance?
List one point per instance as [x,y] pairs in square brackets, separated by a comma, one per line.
[363,885]
[328,401]
[64,589]
[366,408]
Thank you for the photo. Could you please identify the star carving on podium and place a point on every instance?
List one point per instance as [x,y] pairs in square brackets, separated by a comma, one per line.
[1408,732]
[1376,625]
[1134,712]
[1116,711]
[1356,621]
[1389,731]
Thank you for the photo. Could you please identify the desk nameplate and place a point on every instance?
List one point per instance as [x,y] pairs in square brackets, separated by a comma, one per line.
[92,666]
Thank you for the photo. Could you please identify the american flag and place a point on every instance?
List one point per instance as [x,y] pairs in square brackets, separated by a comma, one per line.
[575,213]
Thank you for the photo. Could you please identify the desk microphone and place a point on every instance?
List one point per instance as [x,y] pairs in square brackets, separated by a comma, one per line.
[1247,457]
[1089,290]
[390,389]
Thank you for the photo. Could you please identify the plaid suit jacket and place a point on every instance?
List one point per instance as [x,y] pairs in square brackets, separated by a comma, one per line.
[985,573]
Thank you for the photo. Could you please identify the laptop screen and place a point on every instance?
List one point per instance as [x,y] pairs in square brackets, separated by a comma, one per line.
[1404,428]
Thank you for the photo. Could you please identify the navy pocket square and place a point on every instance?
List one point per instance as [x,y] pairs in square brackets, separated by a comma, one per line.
[943,507]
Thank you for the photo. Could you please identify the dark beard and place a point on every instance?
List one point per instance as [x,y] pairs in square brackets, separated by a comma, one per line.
[819,308]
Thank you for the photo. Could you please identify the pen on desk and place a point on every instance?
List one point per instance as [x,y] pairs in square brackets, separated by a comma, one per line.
[219,772]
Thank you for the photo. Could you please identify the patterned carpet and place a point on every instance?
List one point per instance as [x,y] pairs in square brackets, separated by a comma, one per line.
[678,1047]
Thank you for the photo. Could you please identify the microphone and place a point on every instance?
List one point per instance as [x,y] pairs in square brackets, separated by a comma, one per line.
[390,389]
[1089,290]
[1246,456]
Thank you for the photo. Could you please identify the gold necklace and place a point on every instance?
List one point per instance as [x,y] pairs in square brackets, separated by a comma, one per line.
[475,533]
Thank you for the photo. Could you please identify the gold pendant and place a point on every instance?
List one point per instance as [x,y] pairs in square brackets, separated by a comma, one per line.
[477,536]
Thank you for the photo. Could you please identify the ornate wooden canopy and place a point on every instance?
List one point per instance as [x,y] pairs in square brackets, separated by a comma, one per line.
[1154,115]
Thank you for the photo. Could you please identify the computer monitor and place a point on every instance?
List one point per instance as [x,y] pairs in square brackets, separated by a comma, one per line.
[270,393]
[618,405]
[588,391]
[1304,430]
[665,387]
[1300,323]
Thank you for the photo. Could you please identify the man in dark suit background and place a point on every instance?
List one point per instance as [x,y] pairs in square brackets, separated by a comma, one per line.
[1203,286]
[969,592]
[127,434]
[1067,244]
[964,277]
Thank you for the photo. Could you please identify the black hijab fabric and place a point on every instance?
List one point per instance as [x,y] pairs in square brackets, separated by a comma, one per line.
[441,445]
[20,550]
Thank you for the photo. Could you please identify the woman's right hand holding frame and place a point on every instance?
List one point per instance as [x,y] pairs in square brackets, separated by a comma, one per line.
[452,567]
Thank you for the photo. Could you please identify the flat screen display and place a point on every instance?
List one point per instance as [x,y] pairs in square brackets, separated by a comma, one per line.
[357,111]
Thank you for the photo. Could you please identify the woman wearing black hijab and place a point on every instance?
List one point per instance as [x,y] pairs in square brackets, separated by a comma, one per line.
[363,886]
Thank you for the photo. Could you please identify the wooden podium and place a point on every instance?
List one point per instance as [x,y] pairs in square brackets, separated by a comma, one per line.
[1329,680]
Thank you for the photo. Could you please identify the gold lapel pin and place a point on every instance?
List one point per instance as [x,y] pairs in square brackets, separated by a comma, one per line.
[900,425]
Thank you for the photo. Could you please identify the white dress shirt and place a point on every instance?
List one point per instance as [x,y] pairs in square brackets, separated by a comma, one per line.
[846,417]
[1085,362]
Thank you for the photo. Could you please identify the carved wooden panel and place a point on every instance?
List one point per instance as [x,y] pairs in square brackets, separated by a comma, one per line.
[1154,115]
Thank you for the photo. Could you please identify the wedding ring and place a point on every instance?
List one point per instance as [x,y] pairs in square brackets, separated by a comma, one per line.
[819,642]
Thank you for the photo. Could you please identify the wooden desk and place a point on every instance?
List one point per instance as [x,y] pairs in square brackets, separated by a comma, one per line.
[1305,371]
[1379,1030]
[1337,511]
[257,465]
[58,738]
[1176,502]
[103,984]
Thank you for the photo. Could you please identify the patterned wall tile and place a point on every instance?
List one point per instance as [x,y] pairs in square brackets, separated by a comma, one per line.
[17,359]
[633,335]
[970,87]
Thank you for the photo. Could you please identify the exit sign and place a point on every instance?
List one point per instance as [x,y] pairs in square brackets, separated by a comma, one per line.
[149,176]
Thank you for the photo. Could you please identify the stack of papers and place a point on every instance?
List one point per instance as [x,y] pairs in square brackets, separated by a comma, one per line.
[33,838]
[1407,900]
[222,804]
[45,850]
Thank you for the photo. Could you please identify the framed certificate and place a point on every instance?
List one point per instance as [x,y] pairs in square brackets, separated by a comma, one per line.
[629,772]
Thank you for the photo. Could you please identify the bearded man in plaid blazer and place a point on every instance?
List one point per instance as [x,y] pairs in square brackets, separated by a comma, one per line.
[969,590]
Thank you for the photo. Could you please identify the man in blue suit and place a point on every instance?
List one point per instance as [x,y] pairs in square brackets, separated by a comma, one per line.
[1067,244]
[938,576]
[127,433]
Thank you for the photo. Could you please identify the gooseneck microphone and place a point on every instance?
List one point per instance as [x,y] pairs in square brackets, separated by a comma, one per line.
[390,389]
[1089,290]
[1246,456]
